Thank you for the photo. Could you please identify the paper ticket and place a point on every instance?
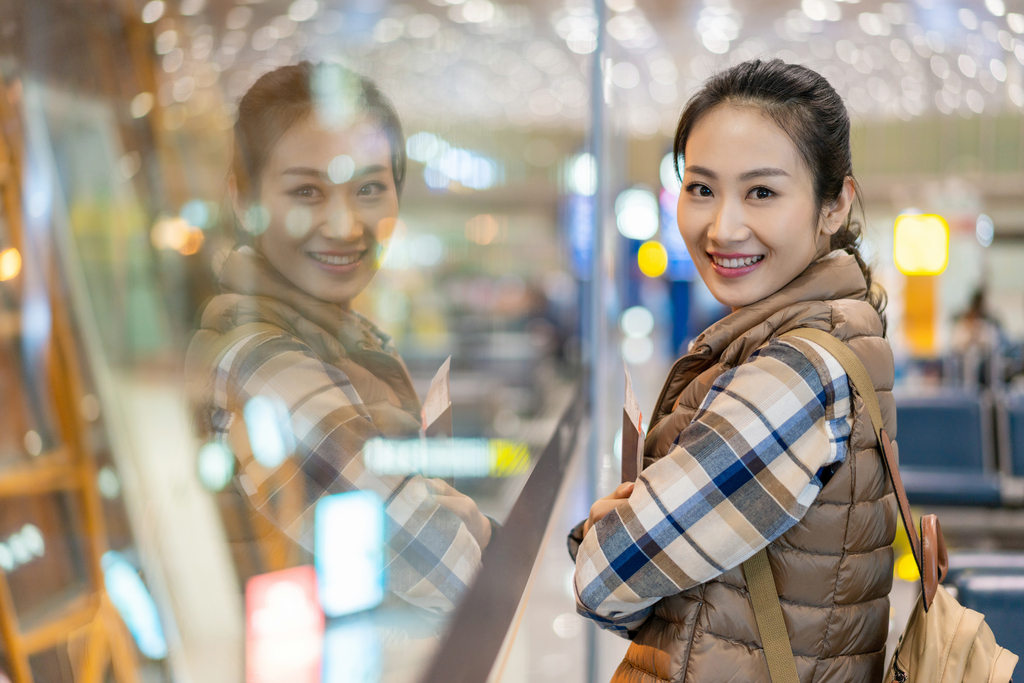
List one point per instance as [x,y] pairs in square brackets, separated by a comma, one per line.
[437,408]
[632,434]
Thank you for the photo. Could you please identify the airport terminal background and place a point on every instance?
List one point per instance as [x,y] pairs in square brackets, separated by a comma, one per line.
[536,247]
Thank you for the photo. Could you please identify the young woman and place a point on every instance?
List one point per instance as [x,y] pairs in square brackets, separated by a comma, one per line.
[318,167]
[755,441]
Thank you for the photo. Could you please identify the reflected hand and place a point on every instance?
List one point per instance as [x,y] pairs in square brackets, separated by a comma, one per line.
[605,505]
[464,507]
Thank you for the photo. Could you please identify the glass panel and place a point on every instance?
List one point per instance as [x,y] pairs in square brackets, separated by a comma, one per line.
[323,328]
[297,290]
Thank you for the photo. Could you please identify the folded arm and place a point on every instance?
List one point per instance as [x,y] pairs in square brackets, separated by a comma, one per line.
[738,477]
[432,554]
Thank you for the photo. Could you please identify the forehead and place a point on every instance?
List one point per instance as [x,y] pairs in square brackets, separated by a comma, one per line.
[739,138]
[310,144]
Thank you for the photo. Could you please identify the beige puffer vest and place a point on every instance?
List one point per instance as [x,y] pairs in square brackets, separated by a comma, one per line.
[834,568]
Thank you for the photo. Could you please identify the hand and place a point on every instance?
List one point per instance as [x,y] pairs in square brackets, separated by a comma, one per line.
[605,505]
[464,508]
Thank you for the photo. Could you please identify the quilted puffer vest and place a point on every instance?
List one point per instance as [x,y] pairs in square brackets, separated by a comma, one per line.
[834,568]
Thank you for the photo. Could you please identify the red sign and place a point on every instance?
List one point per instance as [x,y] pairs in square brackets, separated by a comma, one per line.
[284,627]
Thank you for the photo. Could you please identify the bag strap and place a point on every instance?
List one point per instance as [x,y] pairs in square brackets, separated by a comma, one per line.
[861,381]
[928,548]
[757,571]
[764,598]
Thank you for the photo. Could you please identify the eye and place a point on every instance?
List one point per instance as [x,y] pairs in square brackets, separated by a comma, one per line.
[699,190]
[374,189]
[762,193]
[308,192]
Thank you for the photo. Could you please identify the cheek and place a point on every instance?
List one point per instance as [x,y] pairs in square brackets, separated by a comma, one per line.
[688,225]
[385,228]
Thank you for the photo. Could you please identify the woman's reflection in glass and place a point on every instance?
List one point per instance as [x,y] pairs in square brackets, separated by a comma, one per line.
[317,173]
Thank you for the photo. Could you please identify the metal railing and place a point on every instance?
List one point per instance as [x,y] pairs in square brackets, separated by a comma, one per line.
[482,620]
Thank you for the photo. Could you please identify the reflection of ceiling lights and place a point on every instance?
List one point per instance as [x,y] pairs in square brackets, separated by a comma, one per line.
[495,62]
[718,25]
[445,164]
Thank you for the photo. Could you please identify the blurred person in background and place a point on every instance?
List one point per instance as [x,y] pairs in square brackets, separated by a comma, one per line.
[757,442]
[976,338]
[318,167]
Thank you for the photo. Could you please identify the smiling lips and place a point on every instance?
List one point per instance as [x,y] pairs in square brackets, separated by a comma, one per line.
[735,265]
[335,262]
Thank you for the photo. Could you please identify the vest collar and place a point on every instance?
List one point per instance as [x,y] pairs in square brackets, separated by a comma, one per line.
[247,272]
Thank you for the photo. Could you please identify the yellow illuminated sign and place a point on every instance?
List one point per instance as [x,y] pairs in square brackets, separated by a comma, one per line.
[921,244]
[652,258]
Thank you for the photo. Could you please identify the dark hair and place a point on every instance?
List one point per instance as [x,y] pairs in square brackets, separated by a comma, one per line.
[809,110]
[283,97]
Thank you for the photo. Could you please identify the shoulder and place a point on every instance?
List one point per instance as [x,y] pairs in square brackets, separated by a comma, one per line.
[225,312]
[793,367]
[803,353]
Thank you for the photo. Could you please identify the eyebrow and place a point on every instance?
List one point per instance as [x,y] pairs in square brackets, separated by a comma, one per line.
[359,173]
[767,172]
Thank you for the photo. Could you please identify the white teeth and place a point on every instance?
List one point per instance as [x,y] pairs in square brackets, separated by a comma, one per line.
[736,262]
[337,260]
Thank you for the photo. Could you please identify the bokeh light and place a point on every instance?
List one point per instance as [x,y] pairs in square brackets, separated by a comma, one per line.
[269,427]
[637,350]
[637,213]
[133,602]
[152,11]
[652,259]
[340,169]
[10,264]
[667,171]
[984,230]
[582,177]
[215,466]
[637,321]
[921,244]
[906,568]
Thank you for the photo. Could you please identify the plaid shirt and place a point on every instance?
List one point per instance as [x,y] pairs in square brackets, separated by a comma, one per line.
[739,476]
[431,555]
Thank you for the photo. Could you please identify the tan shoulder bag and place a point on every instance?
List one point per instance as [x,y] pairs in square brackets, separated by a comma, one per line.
[943,642]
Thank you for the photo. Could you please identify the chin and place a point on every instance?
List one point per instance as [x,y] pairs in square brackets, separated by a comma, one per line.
[734,299]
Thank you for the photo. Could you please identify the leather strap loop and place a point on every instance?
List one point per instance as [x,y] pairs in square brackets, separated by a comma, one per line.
[935,561]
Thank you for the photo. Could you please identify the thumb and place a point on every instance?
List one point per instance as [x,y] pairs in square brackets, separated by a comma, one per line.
[625,489]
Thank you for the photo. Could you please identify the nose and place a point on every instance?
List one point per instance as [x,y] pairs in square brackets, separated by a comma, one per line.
[728,225]
[342,222]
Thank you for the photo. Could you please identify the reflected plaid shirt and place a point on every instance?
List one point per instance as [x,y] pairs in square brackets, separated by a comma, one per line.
[739,476]
[431,555]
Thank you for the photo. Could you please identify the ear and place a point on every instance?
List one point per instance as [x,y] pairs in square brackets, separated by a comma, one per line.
[836,214]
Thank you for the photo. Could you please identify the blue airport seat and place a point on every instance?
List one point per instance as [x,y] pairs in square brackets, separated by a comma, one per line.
[999,595]
[932,487]
[946,449]
[965,562]
[1012,433]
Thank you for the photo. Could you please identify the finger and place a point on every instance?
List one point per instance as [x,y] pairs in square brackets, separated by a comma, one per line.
[440,487]
[597,513]
[624,489]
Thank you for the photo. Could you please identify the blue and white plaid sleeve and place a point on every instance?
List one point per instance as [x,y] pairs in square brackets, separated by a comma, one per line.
[431,555]
[738,477]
